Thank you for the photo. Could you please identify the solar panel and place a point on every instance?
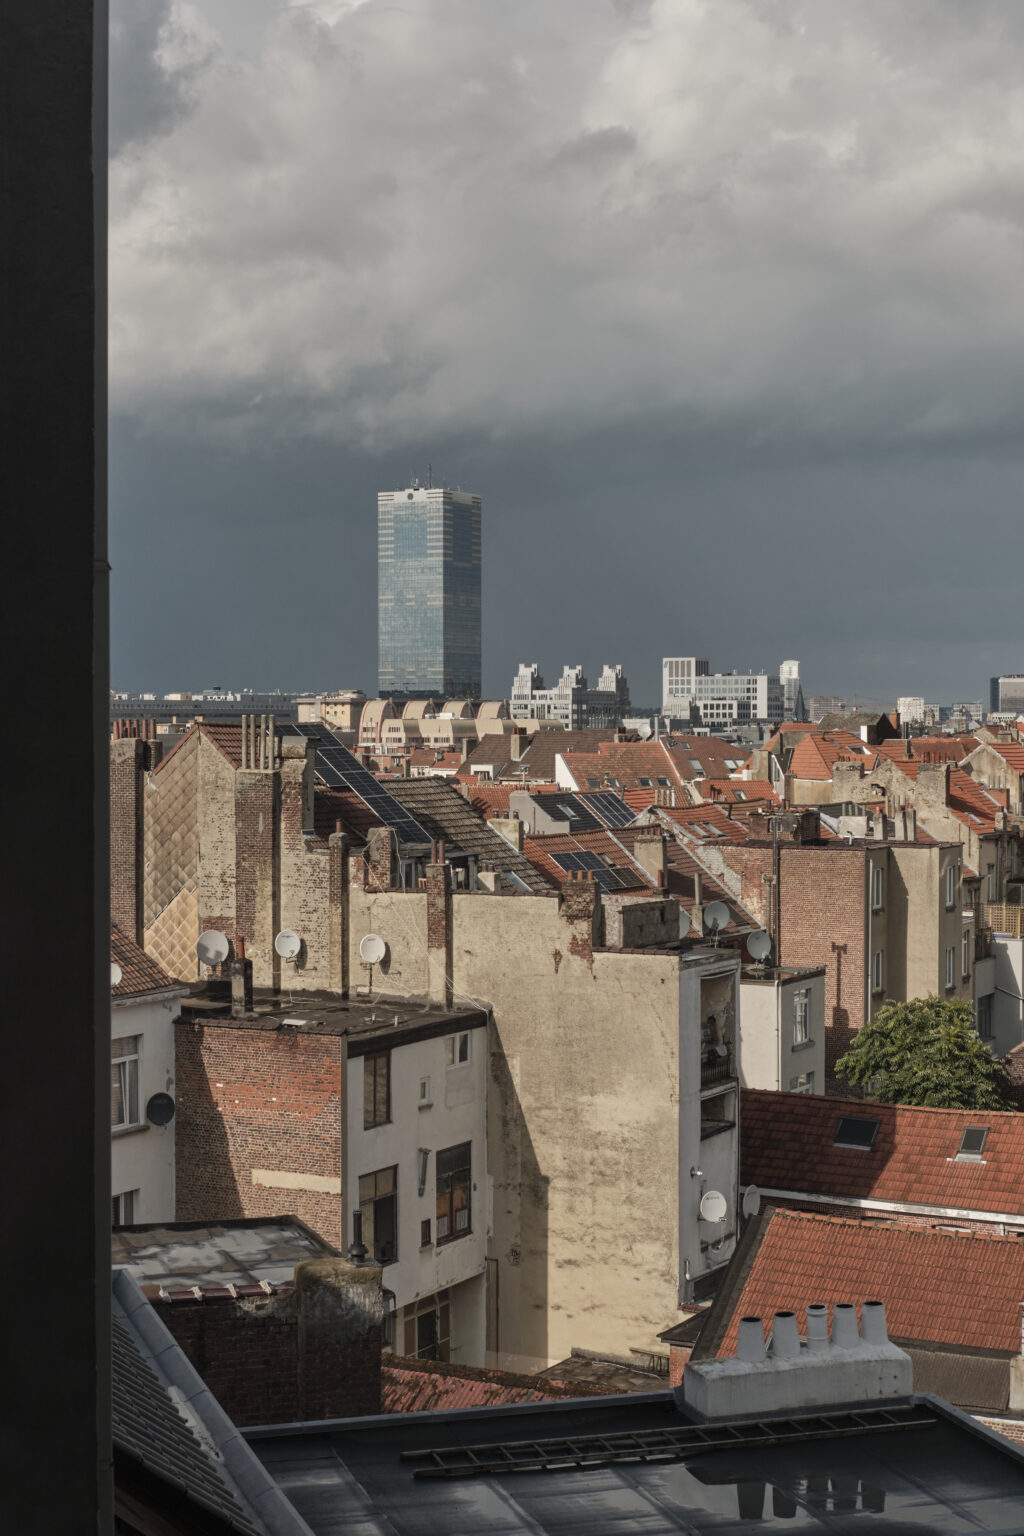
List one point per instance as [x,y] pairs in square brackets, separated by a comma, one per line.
[337,768]
[612,809]
[607,878]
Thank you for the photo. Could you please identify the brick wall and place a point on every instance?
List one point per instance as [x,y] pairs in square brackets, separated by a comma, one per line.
[263,1099]
[128,762]
[823,896]
[312,1352]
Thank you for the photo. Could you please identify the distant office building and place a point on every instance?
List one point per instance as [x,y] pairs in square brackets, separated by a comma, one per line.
[910,708]
[428,593]
[792,692]
[691,692]
[821,704]
[571,703]
[1006,694]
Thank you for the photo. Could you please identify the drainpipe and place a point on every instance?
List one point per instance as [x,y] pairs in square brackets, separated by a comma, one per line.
[871,957]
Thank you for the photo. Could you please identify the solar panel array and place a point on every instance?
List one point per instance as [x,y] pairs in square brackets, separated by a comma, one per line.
[607,878]
[337,768]
[612,809]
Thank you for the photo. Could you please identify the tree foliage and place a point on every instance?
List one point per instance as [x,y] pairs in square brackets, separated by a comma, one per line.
[925,1052]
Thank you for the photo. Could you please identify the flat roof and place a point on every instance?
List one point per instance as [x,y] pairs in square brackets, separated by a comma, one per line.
[553,1468]
[241,1252]
[401,1020]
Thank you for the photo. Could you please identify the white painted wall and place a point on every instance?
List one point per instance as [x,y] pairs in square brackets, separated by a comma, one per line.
[768,1057]
[1008,988]
[457,1114]
[142,1157]
[704,1246]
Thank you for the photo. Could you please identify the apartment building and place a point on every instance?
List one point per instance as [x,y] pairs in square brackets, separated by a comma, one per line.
[571,703]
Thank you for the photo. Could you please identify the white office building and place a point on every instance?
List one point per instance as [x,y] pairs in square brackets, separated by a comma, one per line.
[571,703]
[690,691]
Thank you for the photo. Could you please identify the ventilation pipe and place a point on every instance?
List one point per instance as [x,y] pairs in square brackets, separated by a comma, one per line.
[872,1323]
[750,1344]
[785,1336]
[817,1327]
[845,1334]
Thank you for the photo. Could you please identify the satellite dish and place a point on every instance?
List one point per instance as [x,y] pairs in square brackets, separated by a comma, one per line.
[716,916]
[160,1109]
[212,947]
[713,1206]
[751,1200]
[115,973]
[372,949]
[759,945]
[288,944]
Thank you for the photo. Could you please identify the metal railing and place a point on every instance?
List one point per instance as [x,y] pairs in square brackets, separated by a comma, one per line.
[716,1065]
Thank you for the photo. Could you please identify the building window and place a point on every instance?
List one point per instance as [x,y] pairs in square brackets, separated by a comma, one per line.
[876,890]
[376,1089]
[801,1017]
[950,887]
[965,953]
[856,1131]
[983,1016]
[454,1185]
[950,966]
[122,1208]
[427,1328]
[425,1232]
[378,1206]
[457,1048]
[972,1144]
[877,971]
[803,1083]
[124,1081]
[425,1099]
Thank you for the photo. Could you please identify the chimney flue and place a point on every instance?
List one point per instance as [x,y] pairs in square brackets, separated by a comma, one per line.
[845,1334]
[817,1327]
[785,1336]
[750,1343]
[872,1323]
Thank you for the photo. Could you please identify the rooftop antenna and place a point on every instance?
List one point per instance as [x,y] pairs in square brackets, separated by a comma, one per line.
[430,476]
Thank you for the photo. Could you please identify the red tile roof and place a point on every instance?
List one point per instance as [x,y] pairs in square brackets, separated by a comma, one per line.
[539,850]
[958,1290]
[787,1143]
[737,791]
[1012,753]
[930,749]
[139,973]
[420,1386]
[702,823]
[814,756]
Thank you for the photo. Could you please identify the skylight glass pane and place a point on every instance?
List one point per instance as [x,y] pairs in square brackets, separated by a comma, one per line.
[852,1131]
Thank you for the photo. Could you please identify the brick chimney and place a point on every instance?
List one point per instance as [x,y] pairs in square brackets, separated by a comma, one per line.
[649,850]
[517,741]
[439,928]
[932,785]
[580,910]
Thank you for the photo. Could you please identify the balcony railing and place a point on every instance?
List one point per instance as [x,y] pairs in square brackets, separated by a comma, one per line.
[1002,918]
[716,1065]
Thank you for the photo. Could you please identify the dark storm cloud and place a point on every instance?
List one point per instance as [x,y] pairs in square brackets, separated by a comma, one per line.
[732,288]
[153,75]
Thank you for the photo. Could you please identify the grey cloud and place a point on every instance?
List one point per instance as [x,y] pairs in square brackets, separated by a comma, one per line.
[155,60]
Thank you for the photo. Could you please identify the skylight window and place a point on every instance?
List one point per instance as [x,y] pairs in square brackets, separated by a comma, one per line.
[644,783]
[664,783]
[972,1144]
[855,1131]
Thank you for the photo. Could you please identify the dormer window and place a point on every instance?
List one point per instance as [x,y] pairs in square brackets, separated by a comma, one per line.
[972,1144]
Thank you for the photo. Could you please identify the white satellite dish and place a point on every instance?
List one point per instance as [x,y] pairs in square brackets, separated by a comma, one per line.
[716,917]
[288,944]
[115,973]
[372,949]
[212,947]
[751,1200]
[713,1206]
[759,945]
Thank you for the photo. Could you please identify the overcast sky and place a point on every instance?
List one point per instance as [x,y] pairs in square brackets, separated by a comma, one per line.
[717,304]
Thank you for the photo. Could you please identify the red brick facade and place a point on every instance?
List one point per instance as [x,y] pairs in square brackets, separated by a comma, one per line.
[278,1359]
[257,1099]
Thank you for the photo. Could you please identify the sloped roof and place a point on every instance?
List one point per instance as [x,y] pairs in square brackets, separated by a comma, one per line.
[422,1386]
[815,755]
[539,851]
[958,1289]
[445,813]
[702,823]
[626,763]
[683,869]
[1012,753]
[537,753]
[788,1144]
[737,791]
[139,973]
[929,749]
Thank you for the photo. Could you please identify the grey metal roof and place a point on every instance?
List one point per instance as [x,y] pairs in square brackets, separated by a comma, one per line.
[447,814]
[946,1474]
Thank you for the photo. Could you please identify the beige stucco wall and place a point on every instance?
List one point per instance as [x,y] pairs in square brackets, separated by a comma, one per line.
[930,927]
[768,1057]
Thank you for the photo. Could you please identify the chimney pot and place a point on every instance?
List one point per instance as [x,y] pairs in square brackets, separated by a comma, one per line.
[872,1323]
[817,1326]
[750,1343]
[845,1334]
[785,1336]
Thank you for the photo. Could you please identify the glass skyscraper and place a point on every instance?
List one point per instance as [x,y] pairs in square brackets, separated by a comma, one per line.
[428,593]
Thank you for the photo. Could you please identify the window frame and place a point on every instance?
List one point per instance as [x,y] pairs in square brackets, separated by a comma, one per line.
[128,1065]
[968,1155]
[371,1089]
[950,967]
[877,889]
[121,1214]
[452,1048]
[450,1177]
[878,972]
[802,1017]
[368,1204]
[965,954]
[856,1146]
[803,1082]
[950,887]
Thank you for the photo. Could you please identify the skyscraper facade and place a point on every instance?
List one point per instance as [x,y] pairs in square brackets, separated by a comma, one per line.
[428,593]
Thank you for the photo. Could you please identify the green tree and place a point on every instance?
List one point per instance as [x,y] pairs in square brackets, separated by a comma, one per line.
[925,1052]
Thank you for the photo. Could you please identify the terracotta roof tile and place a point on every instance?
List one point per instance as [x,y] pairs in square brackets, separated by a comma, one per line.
[787,1143]
[958,1290]
[421,1386]
[139,973]
[539,850]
